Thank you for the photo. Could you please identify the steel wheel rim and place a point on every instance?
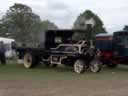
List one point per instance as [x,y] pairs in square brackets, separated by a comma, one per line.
[94,66]
[78,67]
[27,61]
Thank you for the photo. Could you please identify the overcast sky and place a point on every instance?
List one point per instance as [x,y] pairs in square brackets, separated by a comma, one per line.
[114,13]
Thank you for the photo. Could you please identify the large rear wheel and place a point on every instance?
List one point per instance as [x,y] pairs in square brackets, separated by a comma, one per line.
[79,66]
[95,65]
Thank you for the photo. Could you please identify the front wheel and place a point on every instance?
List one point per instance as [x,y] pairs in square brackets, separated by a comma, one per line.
[95,65]
[79,66]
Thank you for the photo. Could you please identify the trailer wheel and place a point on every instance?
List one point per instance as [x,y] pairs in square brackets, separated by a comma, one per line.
[79,66]
[95,66]
[29,60]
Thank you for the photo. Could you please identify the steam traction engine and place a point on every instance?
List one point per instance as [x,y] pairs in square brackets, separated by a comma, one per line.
[59,48]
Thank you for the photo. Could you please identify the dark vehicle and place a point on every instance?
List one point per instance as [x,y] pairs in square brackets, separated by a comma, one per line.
[113,48]
[59,48]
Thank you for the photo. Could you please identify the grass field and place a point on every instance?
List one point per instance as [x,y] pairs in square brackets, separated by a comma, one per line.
[15,80]
[16,72]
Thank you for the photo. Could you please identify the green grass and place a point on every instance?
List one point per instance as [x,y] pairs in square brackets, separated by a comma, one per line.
[18,72]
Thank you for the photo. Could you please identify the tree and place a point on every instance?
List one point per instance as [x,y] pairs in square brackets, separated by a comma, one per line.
[21,23]
[125,27]
[88,17]
[46,25]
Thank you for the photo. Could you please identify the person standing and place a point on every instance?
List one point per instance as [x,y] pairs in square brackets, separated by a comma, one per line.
[2,53]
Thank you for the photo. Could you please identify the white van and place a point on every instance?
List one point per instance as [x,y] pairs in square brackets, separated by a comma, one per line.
[9,52]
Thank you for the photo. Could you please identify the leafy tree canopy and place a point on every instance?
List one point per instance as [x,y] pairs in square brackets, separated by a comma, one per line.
[89,16]
[125,27]
[21,23]
[48,25]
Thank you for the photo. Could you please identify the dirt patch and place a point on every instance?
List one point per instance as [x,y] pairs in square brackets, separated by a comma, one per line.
[64,88]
